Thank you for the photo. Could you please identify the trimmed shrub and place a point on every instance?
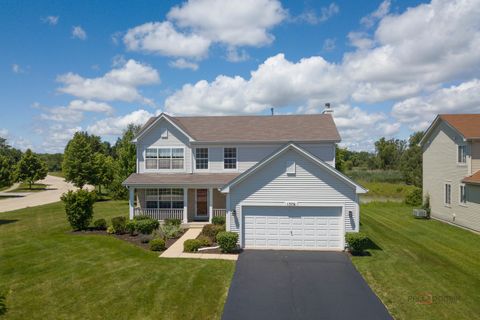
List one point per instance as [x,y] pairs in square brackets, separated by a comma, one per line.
[118,224]
[191,245]
[110,230]
[79,208]
[141,217]
[171,231]
[211,231]
[357,242]
[426,205]
[414,197]
[219,221]
[100,224]
[157,244]
[147,226]
[227,240]
[131,227]
[205,241]
[173,222]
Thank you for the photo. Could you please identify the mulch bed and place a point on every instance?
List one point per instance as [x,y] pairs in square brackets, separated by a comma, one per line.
[218,251]
[136,239]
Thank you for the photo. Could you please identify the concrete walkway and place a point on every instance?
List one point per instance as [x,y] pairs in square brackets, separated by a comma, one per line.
[56,186]
[176,250]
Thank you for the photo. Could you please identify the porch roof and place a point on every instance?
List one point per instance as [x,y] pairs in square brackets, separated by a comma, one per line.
[212,179]
[473,179]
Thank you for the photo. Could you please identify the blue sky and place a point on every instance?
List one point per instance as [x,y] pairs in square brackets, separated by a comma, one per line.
[387,67]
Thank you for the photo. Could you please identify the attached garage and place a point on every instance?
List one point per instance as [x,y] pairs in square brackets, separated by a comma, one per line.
[281,227]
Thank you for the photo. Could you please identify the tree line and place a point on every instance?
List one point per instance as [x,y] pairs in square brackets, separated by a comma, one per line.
[390,154]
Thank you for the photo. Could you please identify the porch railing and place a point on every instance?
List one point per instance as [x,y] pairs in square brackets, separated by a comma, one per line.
[219,212]
[160,214]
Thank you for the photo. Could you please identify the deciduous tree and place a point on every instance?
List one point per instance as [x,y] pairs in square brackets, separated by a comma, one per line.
[30,168]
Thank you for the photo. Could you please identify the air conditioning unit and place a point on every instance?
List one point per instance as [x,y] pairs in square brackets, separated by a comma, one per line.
[419,213]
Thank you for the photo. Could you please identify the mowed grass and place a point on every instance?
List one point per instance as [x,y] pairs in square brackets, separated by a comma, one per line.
[386,190]
[419,259]
[24,187]
[48,273]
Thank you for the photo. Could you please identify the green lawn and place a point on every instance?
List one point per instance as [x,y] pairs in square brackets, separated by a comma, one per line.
[417,258]
[23,187]
[48,273]
[385,190]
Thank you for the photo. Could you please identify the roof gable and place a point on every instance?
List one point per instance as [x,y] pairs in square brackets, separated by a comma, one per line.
[152,122]
[466,125]
[301,151]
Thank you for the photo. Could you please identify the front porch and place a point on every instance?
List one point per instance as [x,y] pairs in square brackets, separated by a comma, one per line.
[187,204]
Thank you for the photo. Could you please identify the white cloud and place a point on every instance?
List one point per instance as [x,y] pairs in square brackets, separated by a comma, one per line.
[360,40]
[326,13]
[74,111]
[328,44]
[90,106]
[57,136]
[118,84]
[418,112]
[236,55]
[3,133]
[78,33]
[191,28]
[183,64]
[115,125]
[382,11]
[17,69]
[51,20]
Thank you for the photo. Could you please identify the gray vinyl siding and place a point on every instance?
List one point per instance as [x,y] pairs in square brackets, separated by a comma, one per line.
[311,183]
[153,139]
[440,167]
[249,155]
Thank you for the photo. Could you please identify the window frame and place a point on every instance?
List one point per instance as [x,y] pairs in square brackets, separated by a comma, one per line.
[171,159]
[448,186]
[464,155]
[460,198]
[236,159]
[207,158]
[172,198]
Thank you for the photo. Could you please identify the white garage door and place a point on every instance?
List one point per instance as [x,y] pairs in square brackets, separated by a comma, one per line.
[318,228]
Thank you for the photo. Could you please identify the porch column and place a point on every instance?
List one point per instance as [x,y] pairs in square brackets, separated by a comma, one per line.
[210,205]
[185,205]
[131,202]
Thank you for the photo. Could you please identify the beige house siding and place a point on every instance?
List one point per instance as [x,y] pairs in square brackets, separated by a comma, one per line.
[440,167]
[475,156]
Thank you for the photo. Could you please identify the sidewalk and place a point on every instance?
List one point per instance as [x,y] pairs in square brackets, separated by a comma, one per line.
[176,250]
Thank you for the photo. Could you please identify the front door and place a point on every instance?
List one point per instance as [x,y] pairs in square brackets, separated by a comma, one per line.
[202,206]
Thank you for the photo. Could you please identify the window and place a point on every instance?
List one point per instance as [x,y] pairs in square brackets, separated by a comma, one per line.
[463,194]
[230,158]
[201,158]
[164,198]
[462,154]
[448,194]
[164,158]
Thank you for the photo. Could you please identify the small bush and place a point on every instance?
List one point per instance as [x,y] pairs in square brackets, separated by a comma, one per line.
[227,241]
[357,242]
[414,197]
[100,224]
[110,230]
[158,233]
[211,231]
[219,221]
[171,231]
[191,245]
[118,224]
[426,205]
[141,217]
[157,244]
[79,208]
[173,222]
[147,226]
[131,227]
[205,241]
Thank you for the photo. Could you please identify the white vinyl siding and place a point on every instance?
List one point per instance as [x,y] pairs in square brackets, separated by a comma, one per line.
[311,184]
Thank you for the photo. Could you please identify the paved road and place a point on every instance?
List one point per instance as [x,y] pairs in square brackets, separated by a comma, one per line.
[300,285]
[55,188]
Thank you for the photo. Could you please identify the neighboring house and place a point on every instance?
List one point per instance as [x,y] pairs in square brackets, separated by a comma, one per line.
[451,169]
[273,177]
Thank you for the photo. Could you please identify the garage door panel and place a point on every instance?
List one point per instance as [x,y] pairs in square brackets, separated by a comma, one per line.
[295,228]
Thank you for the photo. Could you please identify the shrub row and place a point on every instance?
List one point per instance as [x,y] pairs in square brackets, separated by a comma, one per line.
[211,231]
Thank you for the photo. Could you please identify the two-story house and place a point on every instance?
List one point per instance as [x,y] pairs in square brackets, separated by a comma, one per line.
[272,177]
[451,169]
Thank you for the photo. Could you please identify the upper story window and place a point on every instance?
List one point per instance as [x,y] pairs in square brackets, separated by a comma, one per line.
[230,158]
[164,158]
[448,194]
[463,194]
[201,158]
[462,154]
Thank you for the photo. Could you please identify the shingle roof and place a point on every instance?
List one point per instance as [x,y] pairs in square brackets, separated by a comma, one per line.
[474,178]
[284,128]
[219,179]
[467,124]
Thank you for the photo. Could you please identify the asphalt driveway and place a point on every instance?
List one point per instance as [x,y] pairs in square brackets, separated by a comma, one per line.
[300,285]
